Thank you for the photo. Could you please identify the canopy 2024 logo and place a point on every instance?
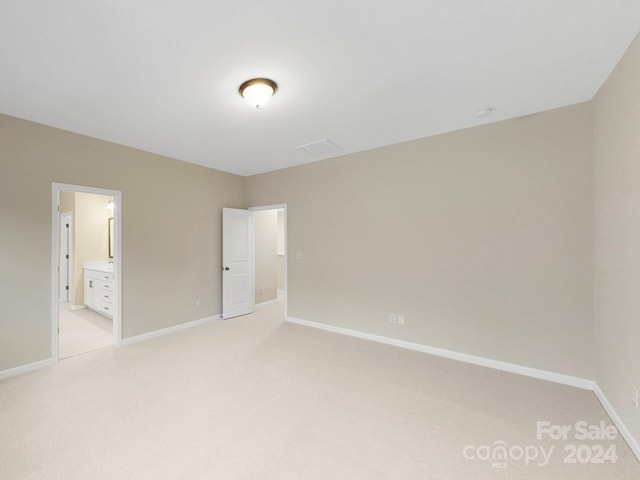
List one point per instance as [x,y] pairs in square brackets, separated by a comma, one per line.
[589,450]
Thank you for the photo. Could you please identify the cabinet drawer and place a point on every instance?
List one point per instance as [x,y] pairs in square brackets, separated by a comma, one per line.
[104,295]
[99,285]
[105,308]
[96,275]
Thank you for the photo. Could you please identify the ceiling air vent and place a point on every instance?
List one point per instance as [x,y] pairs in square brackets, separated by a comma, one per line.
[321,148]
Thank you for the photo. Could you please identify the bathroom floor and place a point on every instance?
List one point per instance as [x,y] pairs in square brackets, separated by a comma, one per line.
[83,331]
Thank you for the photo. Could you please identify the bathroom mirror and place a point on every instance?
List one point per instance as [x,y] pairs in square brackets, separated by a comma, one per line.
[111,237]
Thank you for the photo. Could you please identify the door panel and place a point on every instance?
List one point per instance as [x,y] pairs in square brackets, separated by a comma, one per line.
[237,262]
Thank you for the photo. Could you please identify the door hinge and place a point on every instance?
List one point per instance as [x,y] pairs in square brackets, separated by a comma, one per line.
[67,257]
[67,287]
[67,225]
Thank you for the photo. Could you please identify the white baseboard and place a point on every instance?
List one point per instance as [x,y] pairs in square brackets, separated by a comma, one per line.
[463,357]
[168,330]
[487,362]
[30,367]
[78,307]
[280,292]
[622,428]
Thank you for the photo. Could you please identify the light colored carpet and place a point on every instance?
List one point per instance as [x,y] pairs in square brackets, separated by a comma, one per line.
[255,398]
[82,331]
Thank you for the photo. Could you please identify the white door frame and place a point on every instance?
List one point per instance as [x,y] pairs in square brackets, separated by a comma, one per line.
[69,260]
[56,188]
[279,206]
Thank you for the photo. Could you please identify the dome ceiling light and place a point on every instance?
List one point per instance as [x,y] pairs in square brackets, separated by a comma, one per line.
[258,91]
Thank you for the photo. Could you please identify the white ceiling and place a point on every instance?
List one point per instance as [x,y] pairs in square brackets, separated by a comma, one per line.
[163,76]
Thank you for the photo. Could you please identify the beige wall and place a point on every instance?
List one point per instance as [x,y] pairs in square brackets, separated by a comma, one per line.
[171,232]
[266,228]
[482,238]
[616,121]
[91,237]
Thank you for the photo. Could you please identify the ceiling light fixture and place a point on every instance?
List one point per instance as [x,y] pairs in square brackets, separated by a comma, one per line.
[258,91]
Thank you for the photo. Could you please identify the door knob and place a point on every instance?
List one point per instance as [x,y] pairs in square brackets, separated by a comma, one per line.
[226,268]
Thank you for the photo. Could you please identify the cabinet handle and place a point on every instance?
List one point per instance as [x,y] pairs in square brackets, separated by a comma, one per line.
[106,296]
[90,283]
[106,308]
[106,286]
[106,278]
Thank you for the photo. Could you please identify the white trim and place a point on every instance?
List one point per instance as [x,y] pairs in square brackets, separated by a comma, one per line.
[168,330]
[280,292]
[495,364]
[55,274]
[622,428]
[462,357]
[28,368]
[277,206]
[56,188]
[77,307]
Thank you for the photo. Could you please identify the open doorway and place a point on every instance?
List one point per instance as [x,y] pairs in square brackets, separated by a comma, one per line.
[86,273]
[254,259]
[270,254]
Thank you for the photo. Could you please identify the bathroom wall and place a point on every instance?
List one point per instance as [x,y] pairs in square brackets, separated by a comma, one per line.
[266,229]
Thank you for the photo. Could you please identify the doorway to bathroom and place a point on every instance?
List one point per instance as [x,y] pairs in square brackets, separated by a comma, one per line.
[86,314]
[270,259]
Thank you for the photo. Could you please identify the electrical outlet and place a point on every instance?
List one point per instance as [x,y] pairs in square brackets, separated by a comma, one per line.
[636,394]
[401,319]
[393,318]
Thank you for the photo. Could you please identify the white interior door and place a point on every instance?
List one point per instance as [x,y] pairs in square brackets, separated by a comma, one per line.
[65,257]
[238,284]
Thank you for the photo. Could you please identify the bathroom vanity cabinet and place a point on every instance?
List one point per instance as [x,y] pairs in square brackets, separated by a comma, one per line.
[98,289]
